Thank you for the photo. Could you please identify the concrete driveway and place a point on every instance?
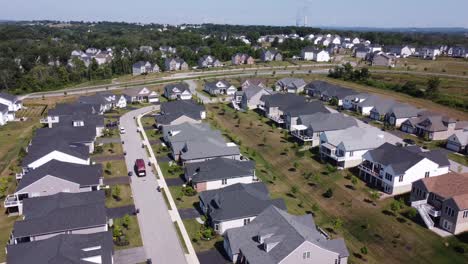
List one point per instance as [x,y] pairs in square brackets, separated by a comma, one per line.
[193,89]
[159,236]
[130,256]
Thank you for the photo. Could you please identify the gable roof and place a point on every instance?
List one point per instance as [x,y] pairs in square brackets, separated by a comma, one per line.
[450,185]
[374,100]
[462,137]
[305,109]
[170,111]
[208,147]
[255,81]
[60,212]
[288,231]
[212,86]
[400,158]
[8,97]
[136,92]
[65,248]
[39,149]
[73,109]
[404,111]
[173,88]
[291,83]
[283,101]
[252,90]
[84,175]
[3,108]
[219,168]
[320,121]
[238,201]
[356,138]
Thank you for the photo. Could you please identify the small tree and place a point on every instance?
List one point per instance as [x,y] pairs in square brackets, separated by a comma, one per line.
[108,166]
[374,196]
[364,250]
[337,223]
[116,191]
[126,221]
[354,181]
[328,193]
[117,231]
[412,212]
[294,190]
[111,145]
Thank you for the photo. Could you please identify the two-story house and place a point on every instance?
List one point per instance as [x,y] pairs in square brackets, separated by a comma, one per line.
[144,67]
[432,126]
[458,142]
[251,95]
[276,105]
[290,85]
[141,95]
[177,91]
[392,169]
[180,111]
[271,55]
[292,113]
[220,87]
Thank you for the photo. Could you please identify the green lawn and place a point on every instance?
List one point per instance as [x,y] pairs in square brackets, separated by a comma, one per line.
[118,168]
[111,149]
[363,224]
[125,197]
[132,233]
[459,158]
[171,172]
[193,227]
[182,201]
[181,239]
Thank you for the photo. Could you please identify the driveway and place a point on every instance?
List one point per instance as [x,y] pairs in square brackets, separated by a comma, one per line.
[204,98]
[211,257]
[119,212]
[108,140]
[117,180]
[189,213]
[130,256]
[159,236]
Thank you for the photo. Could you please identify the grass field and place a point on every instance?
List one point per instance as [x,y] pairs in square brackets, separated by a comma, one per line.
[118,168]
[441,65]
[193,227]
[132,233]
[362,223]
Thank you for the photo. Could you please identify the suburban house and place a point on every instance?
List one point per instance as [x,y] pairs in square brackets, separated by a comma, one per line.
[255,81]
[315,88]
[383,59]
[433,127]
[381,109]
[41,152]
[167,50]
[275,236]
[4,117]
[144,67]
[392,169]
[429,53]
[219,87]
[52,178]
[12,102]
[401,51]
[219,173]
[310,127]
[180,111]
[236,205]
[175,136]
[366,106]
[458,52]
[175,64]
[177,91]
[141,95]
[361,52]
[65,111]
[345,148]
[290,85]
[458,141]
[62,213]
[250,96]
[271,55]
[209,61]
[242,58]
[146,49]
[275,105]
[64,248]
[350,102]
[400,113]
[336,94]
[442,202]
[291,114]
[106,101]
[313,54]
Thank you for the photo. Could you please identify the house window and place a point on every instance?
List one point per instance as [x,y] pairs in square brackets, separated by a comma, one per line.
[465,214]
[224,181]
[216,227]
[306,255]
[246,221]
[351,153]
[388,177]
[449,211]
[426,175]
[401,178]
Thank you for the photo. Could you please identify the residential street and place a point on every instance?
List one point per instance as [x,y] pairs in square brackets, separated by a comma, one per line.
[159,236]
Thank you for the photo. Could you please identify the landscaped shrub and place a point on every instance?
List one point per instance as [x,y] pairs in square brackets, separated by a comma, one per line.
[189,191]
[328,193]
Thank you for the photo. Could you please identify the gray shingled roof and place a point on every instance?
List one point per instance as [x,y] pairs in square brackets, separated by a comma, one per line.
[374,100]
[252,90]
[63,249]
[170,111]
[176,88]
[219,168]
[210,147]
[238,201]
[211,86]
[60,212]
[320,122]
[289,231]
[3,108]
[283,101]
[404,111]
[307,108]
[39,149]
[74,108]
[291,83]
[9,97]
[84,175]
[403,158]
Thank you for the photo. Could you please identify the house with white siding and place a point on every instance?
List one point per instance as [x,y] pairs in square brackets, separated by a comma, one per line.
[393,169]
[458,142]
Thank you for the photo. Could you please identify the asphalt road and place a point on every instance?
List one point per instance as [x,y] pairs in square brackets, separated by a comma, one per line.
[159,236]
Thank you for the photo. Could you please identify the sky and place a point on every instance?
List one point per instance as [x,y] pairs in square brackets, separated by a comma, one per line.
[342,13]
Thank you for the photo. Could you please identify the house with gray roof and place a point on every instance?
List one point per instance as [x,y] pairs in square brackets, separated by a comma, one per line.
[276,236]
[350,102]
[175,64]
[49,216]
[458,142]
[251,95]
[236,205]
[144,67]
[327,91]
[180,111]
[271,55]
[219,173]
[219,87]
[290,85]
[433,126]
[400,113]
[177,91]
[276,105]
[381,109]
[70,110]
[64,248]
[345,148]
[107,101]
[4,118]
[52,178]
[255,82]
[292,113]
[366,106]
[140,95]
[209,61]
[310,127]
[393,169]
[11,101]
[316,88]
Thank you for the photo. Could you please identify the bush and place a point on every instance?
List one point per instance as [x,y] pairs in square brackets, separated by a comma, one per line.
[98,150]
[126,221]
[412,212]
[189,191]
[364,250]
[328,193]
[331,168]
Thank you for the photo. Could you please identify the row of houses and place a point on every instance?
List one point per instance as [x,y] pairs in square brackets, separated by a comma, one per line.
[100,56]
[9,105]
[383,162]
[237,205]
[59,192]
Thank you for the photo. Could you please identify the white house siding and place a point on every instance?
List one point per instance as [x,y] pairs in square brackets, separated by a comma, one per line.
[366,110]
[213,185]
[454,146]
[322,56]
[355,159]
[186,96]
[56,155]
[223,226]
[308,56]
[11,106]
[413,174]
[231,90]
[3,119]
[234,157]
[317,255]
[50,185]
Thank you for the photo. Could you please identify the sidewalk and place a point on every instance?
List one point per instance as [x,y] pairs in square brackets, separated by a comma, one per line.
[174,213]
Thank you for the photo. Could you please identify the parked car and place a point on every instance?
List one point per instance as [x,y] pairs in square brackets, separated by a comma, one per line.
[122,130]
[140,167]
